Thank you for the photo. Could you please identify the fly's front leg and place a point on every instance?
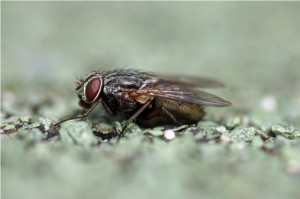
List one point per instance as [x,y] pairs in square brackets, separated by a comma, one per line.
[108,109]
[53,129]
[82,117]
[136,114]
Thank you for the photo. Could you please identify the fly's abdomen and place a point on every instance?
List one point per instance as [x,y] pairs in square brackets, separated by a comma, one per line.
[181,110]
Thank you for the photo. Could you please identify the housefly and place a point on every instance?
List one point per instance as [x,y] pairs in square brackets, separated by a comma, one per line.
[140,95]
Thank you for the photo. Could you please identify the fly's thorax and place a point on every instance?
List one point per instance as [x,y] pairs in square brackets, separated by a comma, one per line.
[181,110]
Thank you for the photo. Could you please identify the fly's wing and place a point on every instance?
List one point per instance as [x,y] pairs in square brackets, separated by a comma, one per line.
[183,92]
[200,82]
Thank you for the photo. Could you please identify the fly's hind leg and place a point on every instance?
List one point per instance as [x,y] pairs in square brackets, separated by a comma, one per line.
[163,111]
[168,113]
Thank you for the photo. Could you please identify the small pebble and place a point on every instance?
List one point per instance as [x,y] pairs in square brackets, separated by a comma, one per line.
[169,134]
[257,142]
[268,103]
[232,122]
[242,134]
[155,132]
[221,129]
[288,131]
[225,138]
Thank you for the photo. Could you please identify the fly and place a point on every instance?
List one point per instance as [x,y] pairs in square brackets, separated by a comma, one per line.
[139,95]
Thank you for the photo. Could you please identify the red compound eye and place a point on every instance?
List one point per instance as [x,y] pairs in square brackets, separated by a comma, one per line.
[92,89]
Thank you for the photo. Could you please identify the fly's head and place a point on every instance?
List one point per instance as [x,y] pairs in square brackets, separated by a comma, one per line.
[89,89]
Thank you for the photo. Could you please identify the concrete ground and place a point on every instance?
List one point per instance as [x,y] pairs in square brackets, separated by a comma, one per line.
[249,150]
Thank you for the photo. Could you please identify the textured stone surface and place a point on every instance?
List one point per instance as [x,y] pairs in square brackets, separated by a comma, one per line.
[250,150]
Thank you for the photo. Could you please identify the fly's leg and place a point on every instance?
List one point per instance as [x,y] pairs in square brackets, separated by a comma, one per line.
[164,110]
[136,114]
[81,117]
[160,111]
[108,109]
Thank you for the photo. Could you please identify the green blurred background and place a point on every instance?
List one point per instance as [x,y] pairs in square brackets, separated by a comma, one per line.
[253,47]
